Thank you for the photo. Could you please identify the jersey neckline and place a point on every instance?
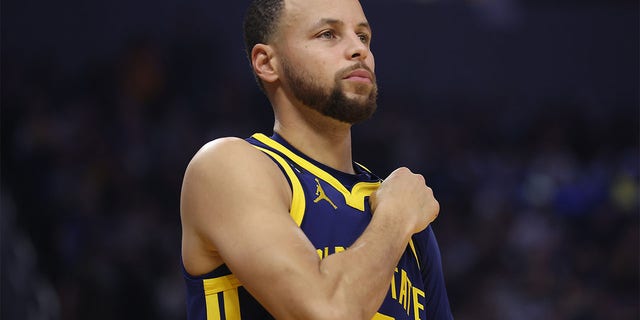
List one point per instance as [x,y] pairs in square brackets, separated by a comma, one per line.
[362,174]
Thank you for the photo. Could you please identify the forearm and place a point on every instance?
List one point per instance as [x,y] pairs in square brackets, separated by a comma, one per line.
[359,277]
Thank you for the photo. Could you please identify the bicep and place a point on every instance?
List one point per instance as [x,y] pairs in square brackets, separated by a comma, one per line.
[240,205]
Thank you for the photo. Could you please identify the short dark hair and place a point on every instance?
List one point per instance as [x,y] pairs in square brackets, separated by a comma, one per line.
[260,23]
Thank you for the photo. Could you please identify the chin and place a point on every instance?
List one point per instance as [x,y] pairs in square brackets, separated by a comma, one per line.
[362,89]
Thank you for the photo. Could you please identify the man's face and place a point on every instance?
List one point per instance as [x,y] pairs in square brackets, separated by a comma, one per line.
[326,60]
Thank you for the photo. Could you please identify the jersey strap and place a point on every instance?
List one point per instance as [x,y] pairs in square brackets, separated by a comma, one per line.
[298,201]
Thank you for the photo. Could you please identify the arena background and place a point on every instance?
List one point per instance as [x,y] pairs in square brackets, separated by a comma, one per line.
[522,114]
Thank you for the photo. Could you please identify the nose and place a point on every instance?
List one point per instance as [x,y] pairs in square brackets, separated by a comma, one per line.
[357,49]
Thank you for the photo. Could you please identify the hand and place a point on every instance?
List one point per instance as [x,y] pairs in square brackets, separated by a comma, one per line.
[405,195]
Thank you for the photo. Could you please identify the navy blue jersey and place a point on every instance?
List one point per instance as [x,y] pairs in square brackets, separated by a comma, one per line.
[332,209]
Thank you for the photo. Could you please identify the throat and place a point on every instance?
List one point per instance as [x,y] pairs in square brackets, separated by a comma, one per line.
[324,146]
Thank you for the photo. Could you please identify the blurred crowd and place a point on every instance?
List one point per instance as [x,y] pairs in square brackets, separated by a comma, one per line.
[539,200]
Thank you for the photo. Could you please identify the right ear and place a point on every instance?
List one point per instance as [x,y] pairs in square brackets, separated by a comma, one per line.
[263,62]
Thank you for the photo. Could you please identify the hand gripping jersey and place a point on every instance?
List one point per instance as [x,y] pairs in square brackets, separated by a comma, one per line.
[332,208]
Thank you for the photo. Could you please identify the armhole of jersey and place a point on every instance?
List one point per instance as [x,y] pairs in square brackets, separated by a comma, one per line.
[297,201]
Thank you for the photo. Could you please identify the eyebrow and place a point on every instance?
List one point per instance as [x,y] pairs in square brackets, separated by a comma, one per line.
[330,21]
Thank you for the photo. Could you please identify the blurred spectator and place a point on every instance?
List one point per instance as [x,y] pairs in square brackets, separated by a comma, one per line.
[539,197]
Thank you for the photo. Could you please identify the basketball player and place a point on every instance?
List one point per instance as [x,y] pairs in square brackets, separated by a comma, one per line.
[288,226]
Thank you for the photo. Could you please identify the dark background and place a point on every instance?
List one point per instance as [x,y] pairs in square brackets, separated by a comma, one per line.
[523,116]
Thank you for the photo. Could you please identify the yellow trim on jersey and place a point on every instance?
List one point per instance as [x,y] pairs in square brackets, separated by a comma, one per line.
[228,285]
[231,305]
[380,316]
[212,307]
[415,253]
[219,284]
[297,202]
[353,198]
[363,167]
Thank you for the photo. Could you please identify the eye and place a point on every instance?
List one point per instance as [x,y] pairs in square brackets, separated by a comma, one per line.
[364,38]
[329,34]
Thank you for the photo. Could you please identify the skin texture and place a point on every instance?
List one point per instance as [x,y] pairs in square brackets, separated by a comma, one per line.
[235,201]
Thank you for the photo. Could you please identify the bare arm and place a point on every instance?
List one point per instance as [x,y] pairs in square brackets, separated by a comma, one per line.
[235,208]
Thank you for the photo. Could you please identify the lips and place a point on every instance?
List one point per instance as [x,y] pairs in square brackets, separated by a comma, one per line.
[359,75]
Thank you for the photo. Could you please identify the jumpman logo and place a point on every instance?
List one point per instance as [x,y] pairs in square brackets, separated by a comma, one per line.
[322,196]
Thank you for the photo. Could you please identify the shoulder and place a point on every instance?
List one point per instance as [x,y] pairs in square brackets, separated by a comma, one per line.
[222,150]
[231,167]
[229,156]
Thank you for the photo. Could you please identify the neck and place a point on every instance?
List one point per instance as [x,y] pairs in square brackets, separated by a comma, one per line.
[324,139]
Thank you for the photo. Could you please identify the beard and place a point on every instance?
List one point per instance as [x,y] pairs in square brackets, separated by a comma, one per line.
[333,102]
